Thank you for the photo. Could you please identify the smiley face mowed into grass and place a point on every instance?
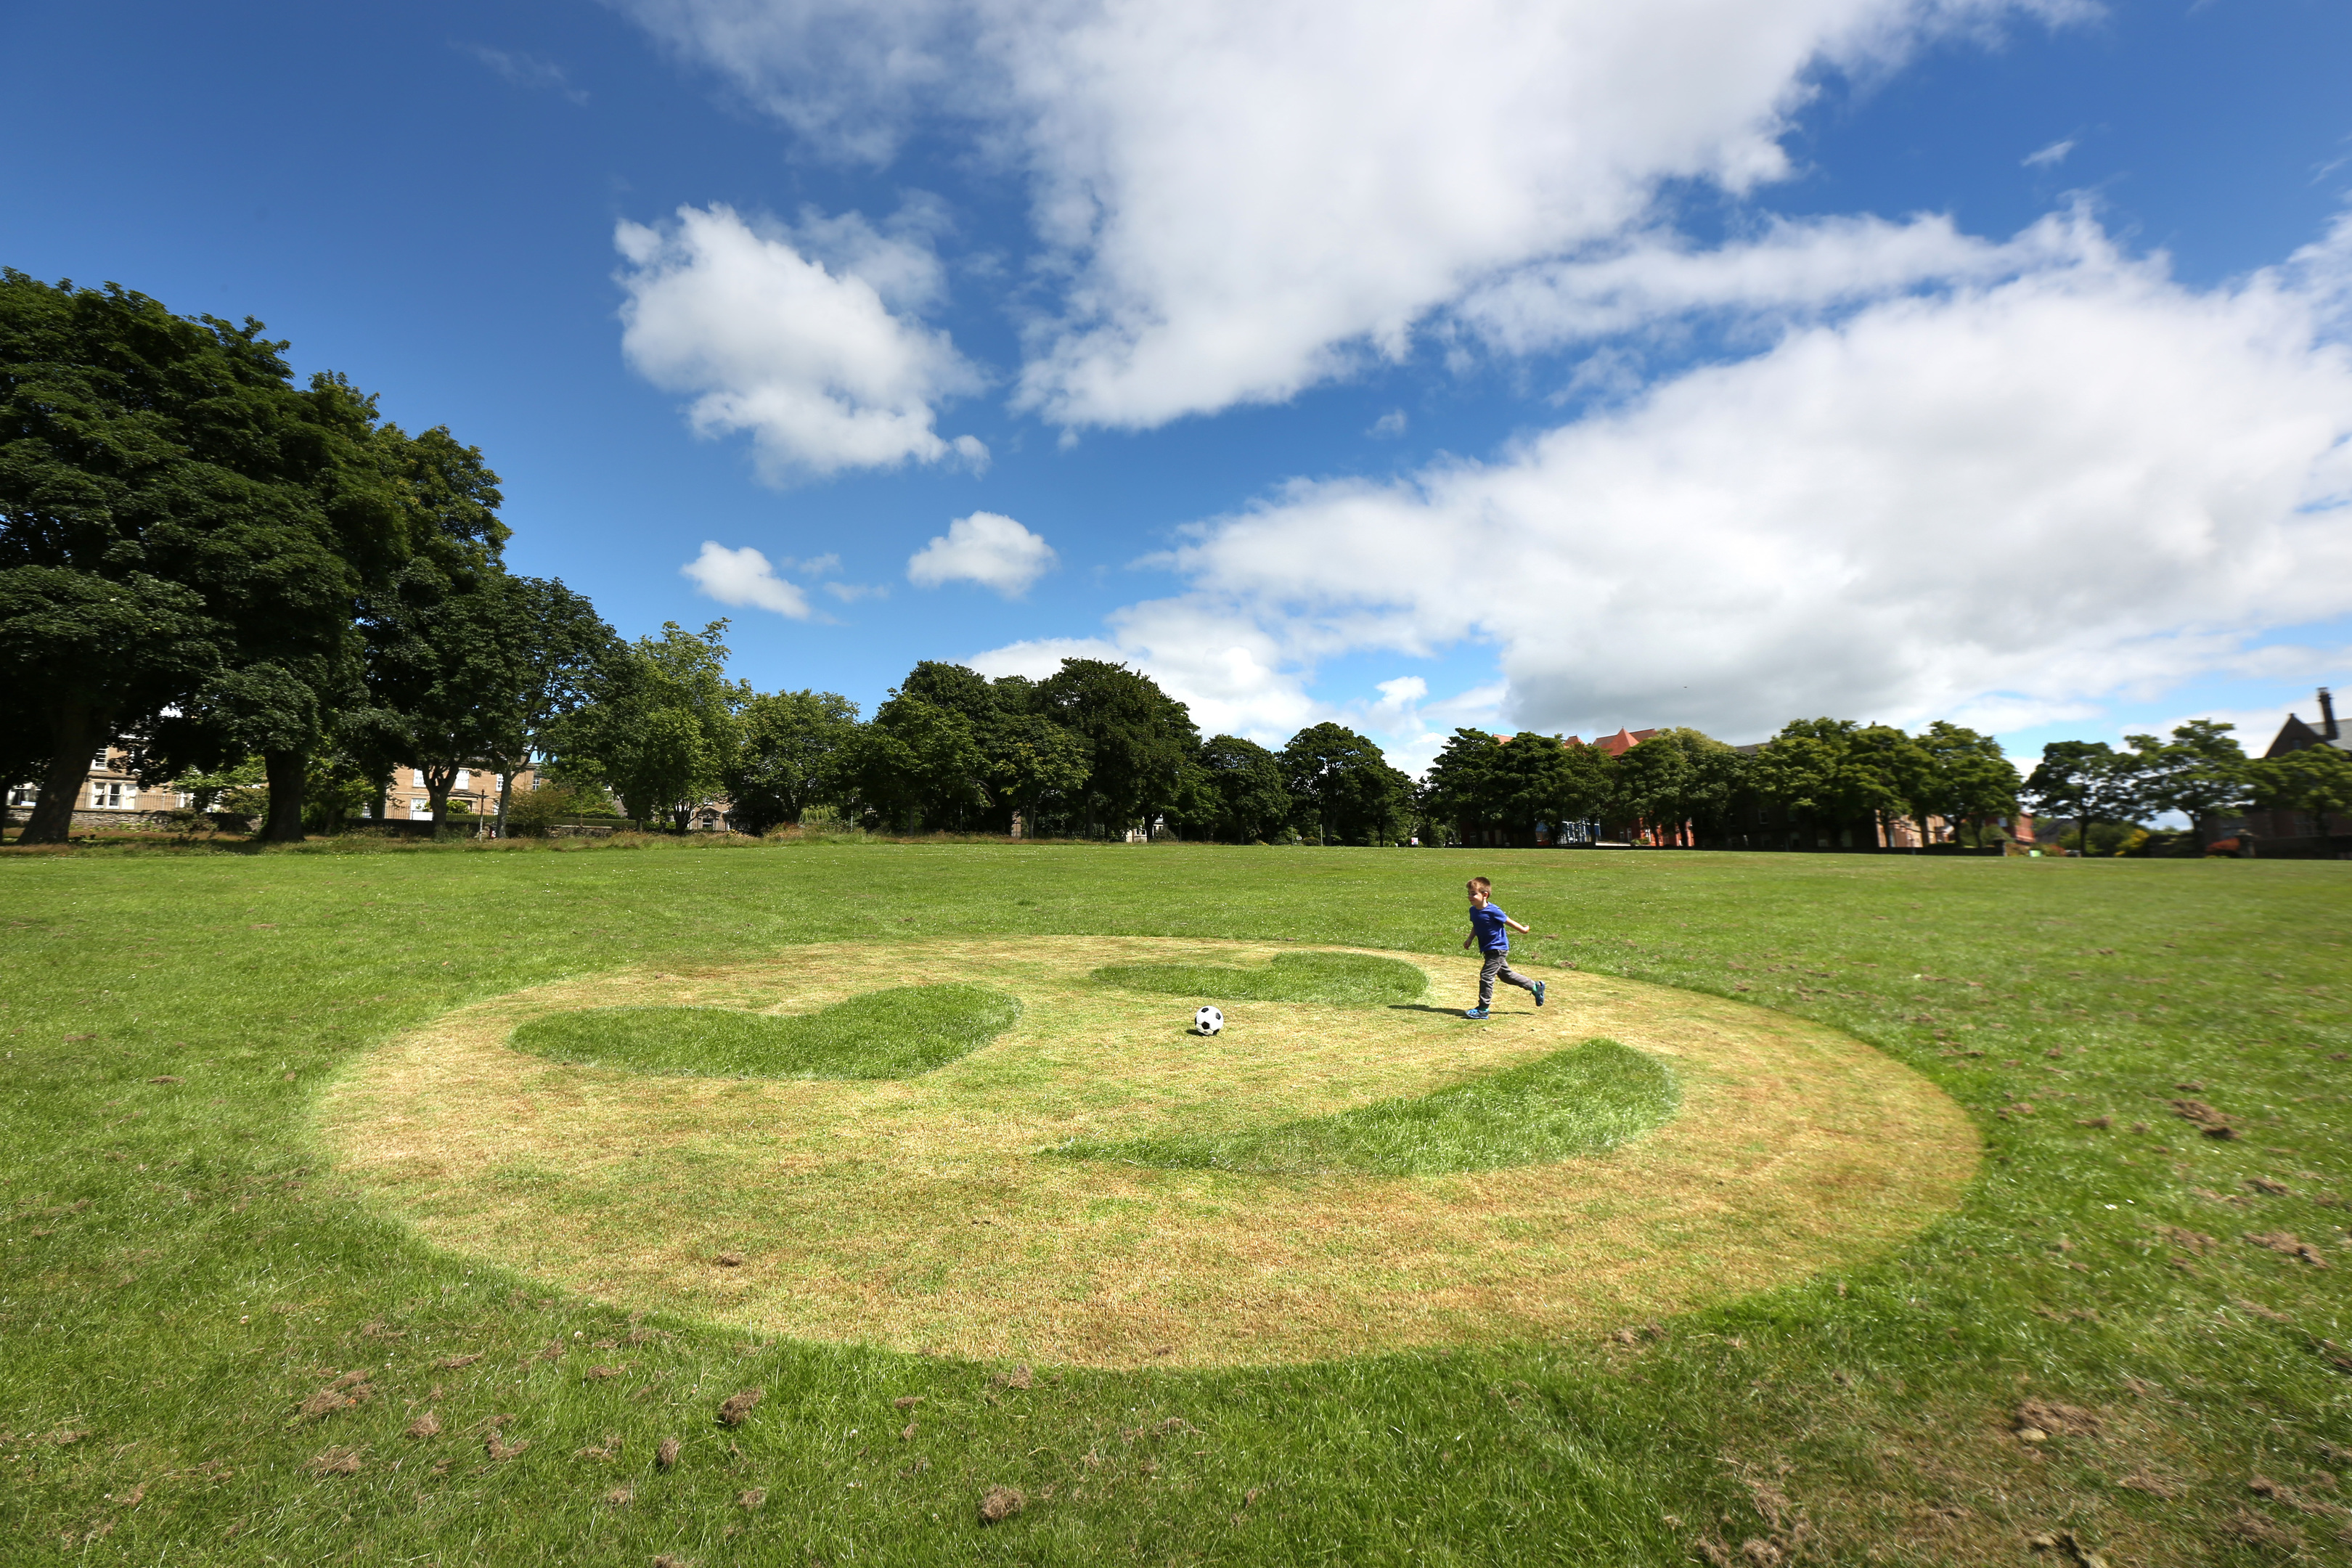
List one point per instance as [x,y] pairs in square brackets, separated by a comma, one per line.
[1036,1156]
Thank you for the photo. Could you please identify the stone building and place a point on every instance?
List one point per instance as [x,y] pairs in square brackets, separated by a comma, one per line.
[2300,832]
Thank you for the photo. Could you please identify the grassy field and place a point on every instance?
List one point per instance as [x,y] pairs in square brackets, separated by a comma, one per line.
[2127,1345]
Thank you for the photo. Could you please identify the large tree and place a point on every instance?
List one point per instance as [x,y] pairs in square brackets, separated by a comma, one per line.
[919,764]
[442,664]
[1818,771]
[796,751]
[2199,772]
[137,444]
[79,652]
[1970,780]
[1678,782]
[1906,773]
[1344,790]
[2088,781]
[662,730]
[1140,739]
[1465,788]
[1248,798]
[1036,769]
[556,650]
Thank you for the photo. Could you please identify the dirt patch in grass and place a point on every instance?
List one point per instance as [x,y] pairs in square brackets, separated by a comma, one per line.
[917,1212]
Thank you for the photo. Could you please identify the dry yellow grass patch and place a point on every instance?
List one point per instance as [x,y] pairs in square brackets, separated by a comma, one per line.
[913,1213]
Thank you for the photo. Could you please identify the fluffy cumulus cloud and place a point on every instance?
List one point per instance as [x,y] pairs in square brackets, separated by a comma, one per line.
[1988,503]
[745,577]
[1246,197]
[806,338]
[986,548]
[1231,673]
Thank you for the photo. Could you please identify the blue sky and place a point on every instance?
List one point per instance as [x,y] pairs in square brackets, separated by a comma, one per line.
[1713,362]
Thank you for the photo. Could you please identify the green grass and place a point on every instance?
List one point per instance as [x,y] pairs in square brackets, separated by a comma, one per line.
[1340,979]
[179,1272]
[897,1033]
[1577,1101]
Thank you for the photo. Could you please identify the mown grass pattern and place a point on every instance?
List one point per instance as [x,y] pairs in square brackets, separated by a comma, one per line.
[1578,1101]
[897,1033]
[1334,979]
[178,1275]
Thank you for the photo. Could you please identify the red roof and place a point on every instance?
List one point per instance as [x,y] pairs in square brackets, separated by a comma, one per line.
[1624,741]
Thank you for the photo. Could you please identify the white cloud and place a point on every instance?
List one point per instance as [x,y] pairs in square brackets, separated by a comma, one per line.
[1228,671]
[1041,657]
[745,576]
[2049,157]
[1998,503]
[526,71]
[1792,270]
[1388,426]
[986,548]
[850,592]
[802,338]
[1241,198]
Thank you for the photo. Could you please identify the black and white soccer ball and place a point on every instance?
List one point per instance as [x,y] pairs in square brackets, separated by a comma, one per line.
[1209,1020]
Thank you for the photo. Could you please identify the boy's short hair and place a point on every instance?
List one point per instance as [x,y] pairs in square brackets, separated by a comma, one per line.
[1480,885]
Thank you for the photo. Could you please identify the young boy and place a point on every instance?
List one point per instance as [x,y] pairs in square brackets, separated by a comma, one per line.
[1486,929]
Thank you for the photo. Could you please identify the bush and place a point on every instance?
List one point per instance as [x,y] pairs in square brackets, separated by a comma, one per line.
[529,812]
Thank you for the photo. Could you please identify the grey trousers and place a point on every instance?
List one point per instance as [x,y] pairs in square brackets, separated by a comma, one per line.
[1498,965]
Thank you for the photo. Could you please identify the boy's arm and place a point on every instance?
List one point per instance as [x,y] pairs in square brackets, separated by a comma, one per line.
[1515,925]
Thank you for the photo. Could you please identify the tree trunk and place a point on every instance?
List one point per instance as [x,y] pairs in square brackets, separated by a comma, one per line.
[285,772]
[439,782]
[506,788]
[75,732]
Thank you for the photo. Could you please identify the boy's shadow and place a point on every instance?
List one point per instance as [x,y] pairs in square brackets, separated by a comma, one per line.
[1421,1007]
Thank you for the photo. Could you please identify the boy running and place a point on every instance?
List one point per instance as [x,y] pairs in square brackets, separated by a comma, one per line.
[1487,925]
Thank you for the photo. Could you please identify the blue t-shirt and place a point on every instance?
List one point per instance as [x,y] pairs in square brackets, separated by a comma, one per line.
[1493,935]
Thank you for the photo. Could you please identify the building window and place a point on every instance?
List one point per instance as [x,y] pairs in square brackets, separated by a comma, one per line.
[462,776]
[23,795]
[420,808]
[105,795]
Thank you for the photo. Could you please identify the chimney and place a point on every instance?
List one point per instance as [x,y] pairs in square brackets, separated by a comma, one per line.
[2328,714]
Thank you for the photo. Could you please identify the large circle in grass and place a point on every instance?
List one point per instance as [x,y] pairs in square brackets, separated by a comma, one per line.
[1021,1200]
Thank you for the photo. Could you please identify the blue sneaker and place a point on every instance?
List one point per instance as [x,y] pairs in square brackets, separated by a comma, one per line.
[1540,990]
[1474,1012]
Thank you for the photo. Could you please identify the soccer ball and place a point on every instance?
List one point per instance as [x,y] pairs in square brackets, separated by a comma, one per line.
[1208,1020]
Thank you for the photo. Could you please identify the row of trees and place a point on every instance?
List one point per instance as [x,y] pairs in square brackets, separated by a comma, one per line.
[1680,786]
[2199,772]
[230,572]
[1094,749]
[1820,777]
